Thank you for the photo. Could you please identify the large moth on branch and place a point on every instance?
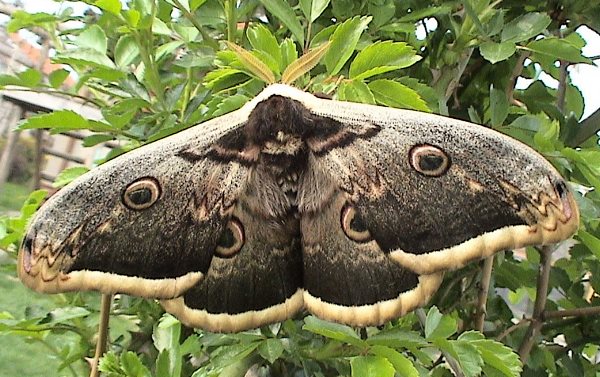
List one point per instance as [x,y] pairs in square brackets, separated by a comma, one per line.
[350,211]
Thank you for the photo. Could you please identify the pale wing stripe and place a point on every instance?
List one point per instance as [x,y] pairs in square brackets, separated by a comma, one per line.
[234,322]
[380,312]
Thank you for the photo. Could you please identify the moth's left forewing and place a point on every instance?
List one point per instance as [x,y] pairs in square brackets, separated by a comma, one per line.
[99,233]
[495,193]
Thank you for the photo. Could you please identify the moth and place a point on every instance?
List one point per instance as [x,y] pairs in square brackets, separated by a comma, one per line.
[350,211]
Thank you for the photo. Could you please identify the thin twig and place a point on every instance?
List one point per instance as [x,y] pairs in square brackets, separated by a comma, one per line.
[460,69]
[102,333]
[540,303]
[484,287]
[190,17]
[586,129]
[449,286]
[12,88]
[512,328]
[579,312]
[516,72]
[449,359]
[57,353]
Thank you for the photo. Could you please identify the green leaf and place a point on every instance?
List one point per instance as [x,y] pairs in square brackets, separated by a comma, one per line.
[33,201]
[332,330]
[21,19]
[163,364]
[404,367]
[109,364]
[132,17]
[195,4]
[343,42]
[312,9]
[426,12]
[160,28]
[324,35]
[496,52]
[308,61]
[68,175]
[546,137]
[111,6]
[58,77]
[371,366]
[468,357]
[132,365]
[525,27]
[394,94]
[191,345]
[283,12]
[271,350]
[166,334]
[355,91]
[438,325]
[398,338]
[9,80]
[126,50]
[230,104]
[557,49]
[94,38]
[167,49]
[382,57]
[288,52]
[498,106]
[225,356]
[255,66]
[84,56]
[262,39]
[494,354]
[381,10]
[30,77]
[591,241]
[399,27]
[166,338]
[63,119]
[62,315]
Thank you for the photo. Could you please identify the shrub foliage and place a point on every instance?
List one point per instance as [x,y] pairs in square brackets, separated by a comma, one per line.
[155,67]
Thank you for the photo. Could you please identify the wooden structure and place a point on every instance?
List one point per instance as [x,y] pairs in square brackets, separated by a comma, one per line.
[54,153]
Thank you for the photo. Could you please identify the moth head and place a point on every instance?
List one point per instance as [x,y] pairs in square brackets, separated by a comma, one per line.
[429,160]
[141,194]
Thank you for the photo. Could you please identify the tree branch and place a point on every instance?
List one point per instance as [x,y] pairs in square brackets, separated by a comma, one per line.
[540,303]
[578,312]
[516,72]
[512,328]
[486,277]
[588,128]
[102,333]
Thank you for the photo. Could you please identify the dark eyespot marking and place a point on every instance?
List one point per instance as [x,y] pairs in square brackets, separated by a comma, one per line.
[232,239]
[353,225]
[141,194]
[561,189]
[429,160]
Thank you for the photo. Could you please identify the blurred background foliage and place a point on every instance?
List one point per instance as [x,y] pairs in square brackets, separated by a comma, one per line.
[155,67]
